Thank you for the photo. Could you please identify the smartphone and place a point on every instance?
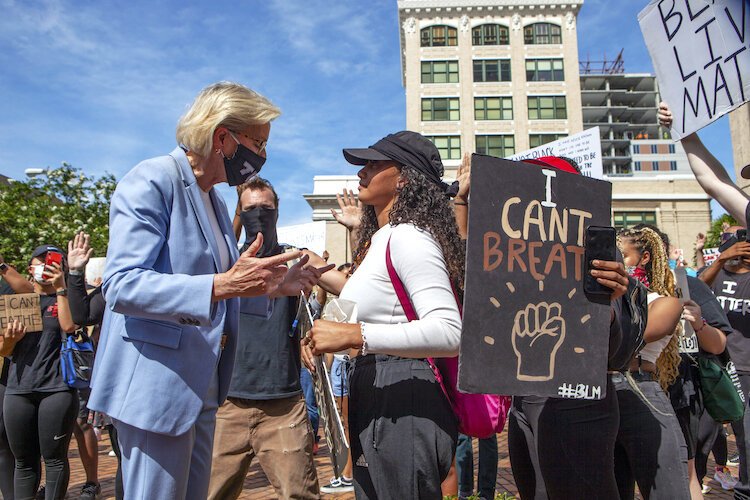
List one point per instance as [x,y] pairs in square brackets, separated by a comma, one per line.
[741,235]
[53,257]
[600,244]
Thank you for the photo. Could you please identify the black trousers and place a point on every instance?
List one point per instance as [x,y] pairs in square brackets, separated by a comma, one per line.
[741,430]
[41,425]
[402,429]
[7,461]
[563,448]
[651,449]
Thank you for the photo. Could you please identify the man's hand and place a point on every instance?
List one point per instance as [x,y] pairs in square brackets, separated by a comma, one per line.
[300,278]
[464,179]
[612,275]
[740,250]
[351,210]
[251,276]
[664,115]
[14,332]
[79,252]
[700,242]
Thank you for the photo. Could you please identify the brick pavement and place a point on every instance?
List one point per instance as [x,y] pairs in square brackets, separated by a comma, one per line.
[258,488]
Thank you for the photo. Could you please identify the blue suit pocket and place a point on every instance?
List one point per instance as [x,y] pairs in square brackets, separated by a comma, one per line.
[152,332]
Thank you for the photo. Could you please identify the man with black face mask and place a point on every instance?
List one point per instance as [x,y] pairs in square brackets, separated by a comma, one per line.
[729,278]
[264,414]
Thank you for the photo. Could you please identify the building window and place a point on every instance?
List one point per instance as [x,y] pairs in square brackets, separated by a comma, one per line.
[536,140]
[625,220]
[672,165]
[654,149]
[439,36]
[542,34]
[637,166]
[493,108]
[671,149]
[492,70]
[440,109]
[449,146]
[548,107]
[544,70]
[490,34]
[496,145]
[439,71]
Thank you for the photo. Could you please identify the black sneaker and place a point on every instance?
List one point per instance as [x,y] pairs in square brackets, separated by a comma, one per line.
[90,491]
[734,460]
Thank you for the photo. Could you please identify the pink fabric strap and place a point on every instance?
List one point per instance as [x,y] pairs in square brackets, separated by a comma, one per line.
[398,285]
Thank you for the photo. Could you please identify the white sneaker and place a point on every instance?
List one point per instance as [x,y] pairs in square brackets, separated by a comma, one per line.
[724,477]
[112,453]
[338,485]
[705,489]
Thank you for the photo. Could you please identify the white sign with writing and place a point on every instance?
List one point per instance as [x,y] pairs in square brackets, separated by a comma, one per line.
[585,148]
[700,53]
[311,236]
[710,255]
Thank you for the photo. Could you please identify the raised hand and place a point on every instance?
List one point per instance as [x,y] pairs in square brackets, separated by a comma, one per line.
[700,242]
[464,179]
[79,251]
[664,115]
[351,210]
[251,276]
[740,250]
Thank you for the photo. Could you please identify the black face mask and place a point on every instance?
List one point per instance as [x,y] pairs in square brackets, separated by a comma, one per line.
[243,166]
[261,220]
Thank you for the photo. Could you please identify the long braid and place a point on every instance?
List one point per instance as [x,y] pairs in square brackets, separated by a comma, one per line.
[661,281]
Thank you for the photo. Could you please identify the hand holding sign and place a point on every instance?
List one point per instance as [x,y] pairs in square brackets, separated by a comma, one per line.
[540,328]
[12,334]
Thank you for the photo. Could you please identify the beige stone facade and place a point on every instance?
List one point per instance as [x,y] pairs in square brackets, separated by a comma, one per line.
[739,128]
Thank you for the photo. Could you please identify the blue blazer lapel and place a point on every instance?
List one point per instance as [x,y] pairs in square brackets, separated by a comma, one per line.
[222,214]
[194,195]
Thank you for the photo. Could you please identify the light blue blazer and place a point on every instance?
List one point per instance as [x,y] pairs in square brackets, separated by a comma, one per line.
[161,335]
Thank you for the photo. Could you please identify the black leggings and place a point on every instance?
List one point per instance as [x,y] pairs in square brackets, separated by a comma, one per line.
[563,448]
[119,494]
[7,462]
[40,425]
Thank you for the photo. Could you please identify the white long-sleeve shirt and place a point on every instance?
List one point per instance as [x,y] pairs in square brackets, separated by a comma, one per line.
[418,260]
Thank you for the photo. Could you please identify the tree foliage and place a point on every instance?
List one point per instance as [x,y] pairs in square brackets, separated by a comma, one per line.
[50,209]
[714,234]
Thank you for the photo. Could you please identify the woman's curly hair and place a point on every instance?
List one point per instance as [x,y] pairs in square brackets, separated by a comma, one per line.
[661,281]
[425,205]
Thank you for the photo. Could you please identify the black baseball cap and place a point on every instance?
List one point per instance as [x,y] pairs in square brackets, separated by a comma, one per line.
[406,148]
[43,249]
[745,172]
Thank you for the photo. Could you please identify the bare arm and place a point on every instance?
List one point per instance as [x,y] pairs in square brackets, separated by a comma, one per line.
[663,315]
[64,316]
[709,173]
[332,281]
[18,283]
[461,201]
[710,339]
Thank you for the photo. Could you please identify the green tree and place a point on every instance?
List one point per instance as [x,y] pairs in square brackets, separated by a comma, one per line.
[50,209]
[714,234]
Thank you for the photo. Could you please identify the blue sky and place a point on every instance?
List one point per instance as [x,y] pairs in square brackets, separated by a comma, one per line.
[102,84]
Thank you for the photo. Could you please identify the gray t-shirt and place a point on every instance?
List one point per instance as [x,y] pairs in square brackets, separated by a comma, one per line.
[732,290]
[267,364]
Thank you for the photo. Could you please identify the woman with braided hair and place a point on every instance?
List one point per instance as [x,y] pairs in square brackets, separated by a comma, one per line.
[650,448]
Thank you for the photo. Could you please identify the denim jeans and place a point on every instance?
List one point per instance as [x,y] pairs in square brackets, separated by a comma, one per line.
[487,467]
[308,389]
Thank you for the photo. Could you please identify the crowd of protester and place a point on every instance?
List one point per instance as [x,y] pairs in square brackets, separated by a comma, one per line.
[202,366]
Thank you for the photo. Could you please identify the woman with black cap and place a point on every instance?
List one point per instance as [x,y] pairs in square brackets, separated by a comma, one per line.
[402,429]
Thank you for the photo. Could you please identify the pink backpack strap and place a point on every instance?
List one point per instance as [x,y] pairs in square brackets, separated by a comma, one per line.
[398,285]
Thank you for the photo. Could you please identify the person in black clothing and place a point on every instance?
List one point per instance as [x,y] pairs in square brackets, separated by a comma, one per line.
[13,333]
[87,309]
[39,407]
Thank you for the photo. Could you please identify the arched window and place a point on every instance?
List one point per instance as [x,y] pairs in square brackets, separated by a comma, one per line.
[439,36]
[490,34]
[542,34]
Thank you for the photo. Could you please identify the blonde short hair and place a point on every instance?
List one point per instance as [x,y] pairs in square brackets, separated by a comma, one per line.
[226,104]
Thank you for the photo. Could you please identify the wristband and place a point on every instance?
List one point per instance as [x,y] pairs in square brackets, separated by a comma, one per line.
[364,338]
[62,292]
[75,272]
[459,203]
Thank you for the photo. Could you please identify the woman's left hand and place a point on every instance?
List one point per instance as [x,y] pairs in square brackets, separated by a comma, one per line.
[691,312]
[331,336]
[56,275]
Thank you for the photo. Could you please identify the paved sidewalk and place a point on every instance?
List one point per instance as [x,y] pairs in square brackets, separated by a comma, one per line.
[258,488]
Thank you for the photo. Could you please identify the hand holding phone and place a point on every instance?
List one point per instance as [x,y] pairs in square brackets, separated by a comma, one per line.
[52,258]
[600,244]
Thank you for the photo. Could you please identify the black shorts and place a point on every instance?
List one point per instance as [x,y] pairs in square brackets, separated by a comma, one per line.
[689,423]
[83,403]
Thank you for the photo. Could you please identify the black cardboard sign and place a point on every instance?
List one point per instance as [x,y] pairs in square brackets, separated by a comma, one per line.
[528,328]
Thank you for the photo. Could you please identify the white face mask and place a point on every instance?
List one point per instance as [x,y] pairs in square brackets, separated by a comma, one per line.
[39,274]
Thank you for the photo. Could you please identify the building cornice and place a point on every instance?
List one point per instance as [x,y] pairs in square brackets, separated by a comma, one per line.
[456,4]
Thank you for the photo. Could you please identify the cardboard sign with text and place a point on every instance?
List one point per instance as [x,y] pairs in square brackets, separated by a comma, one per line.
[584,147]
[700,53]
[528,328]
[23,307]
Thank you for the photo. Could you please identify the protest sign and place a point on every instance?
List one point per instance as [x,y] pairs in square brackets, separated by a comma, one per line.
[23,307]
[333,429]
[528,328]
[311,236]
[701,57]
[585,148]
[710,255]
